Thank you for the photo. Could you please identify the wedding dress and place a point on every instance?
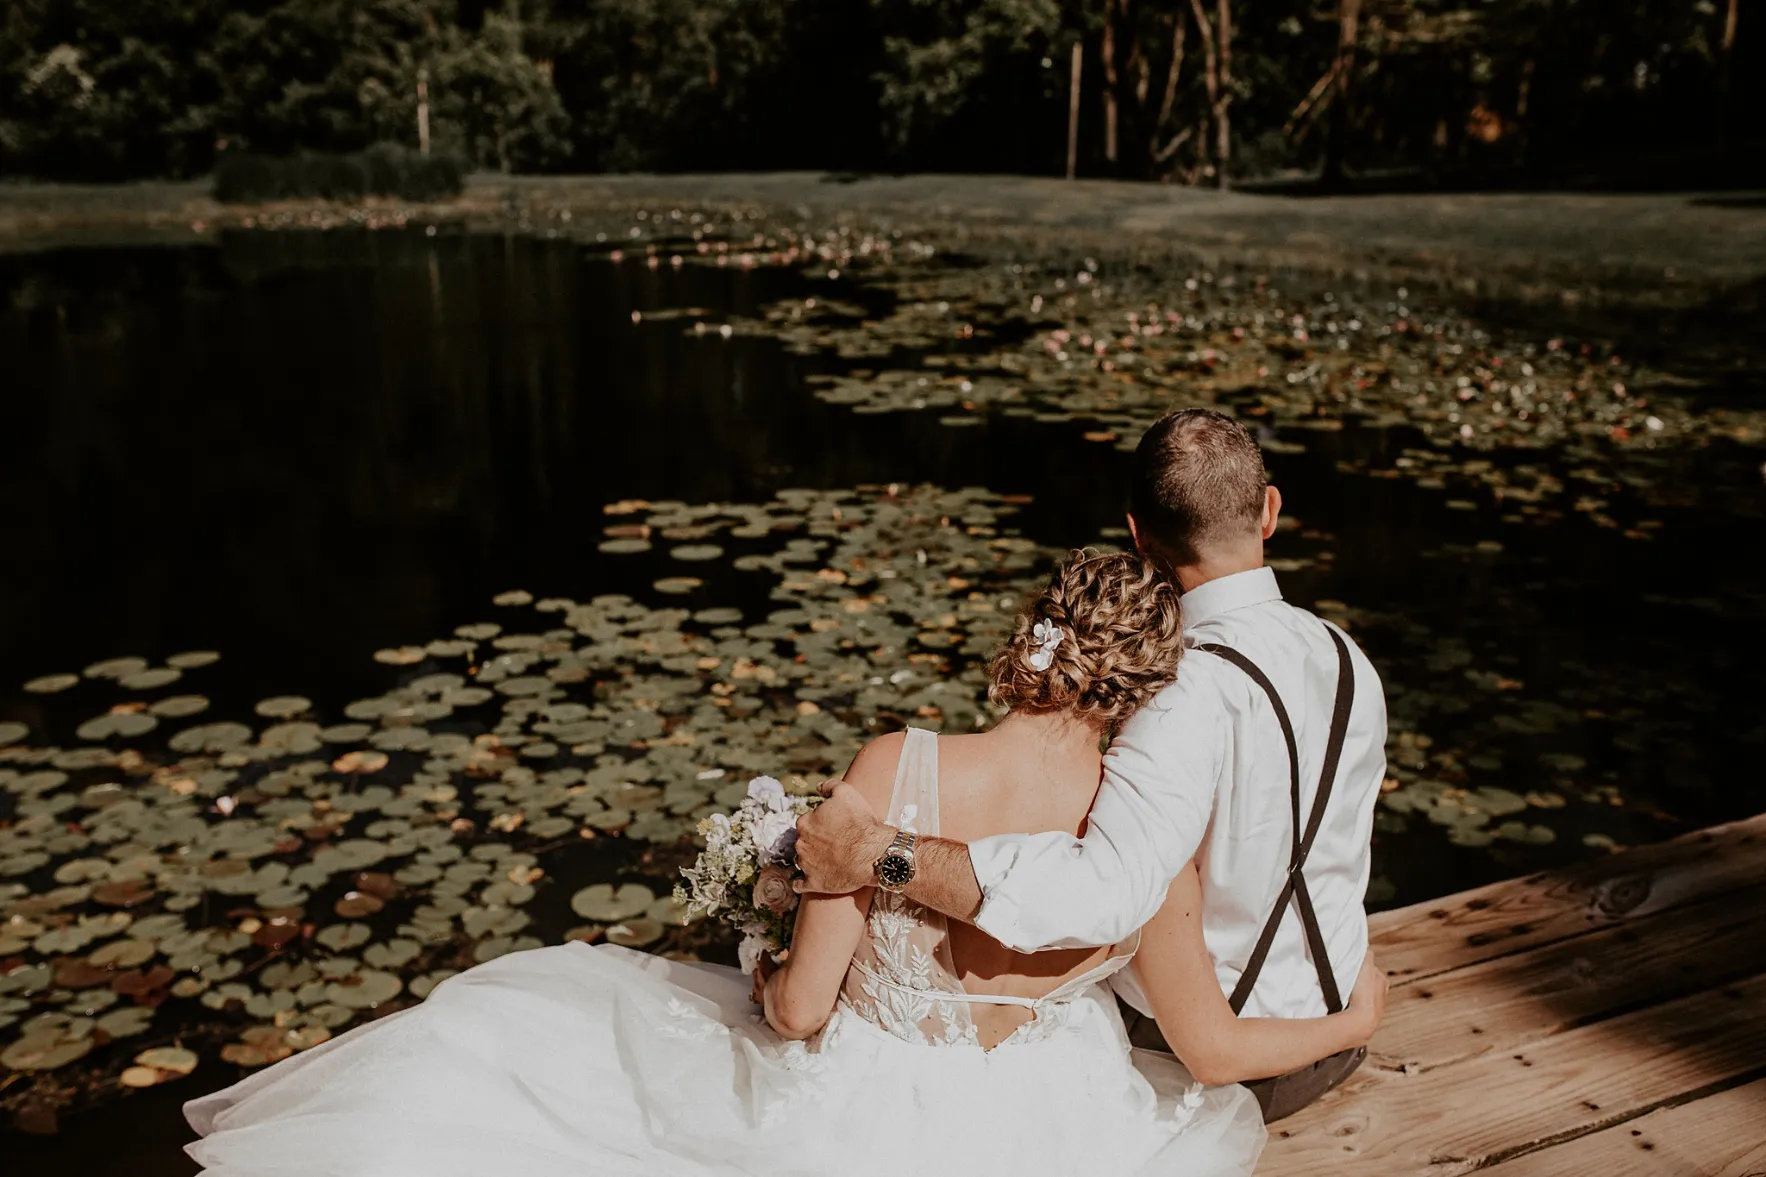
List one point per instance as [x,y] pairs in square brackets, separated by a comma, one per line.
[579,1061]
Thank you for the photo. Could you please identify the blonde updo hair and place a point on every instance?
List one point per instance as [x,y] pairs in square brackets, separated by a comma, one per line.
[1121,637]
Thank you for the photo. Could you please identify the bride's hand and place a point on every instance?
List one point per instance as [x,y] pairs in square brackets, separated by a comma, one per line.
[764,968]
[1368,1001]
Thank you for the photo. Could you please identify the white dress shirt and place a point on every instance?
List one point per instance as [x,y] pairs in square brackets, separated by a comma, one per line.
[1203,771]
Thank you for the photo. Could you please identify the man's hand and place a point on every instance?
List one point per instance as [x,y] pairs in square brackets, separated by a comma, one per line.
[838,841]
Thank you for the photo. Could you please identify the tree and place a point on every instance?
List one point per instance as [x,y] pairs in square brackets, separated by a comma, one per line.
[494,105]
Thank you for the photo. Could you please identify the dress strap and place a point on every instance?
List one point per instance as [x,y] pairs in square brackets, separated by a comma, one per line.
[913,804]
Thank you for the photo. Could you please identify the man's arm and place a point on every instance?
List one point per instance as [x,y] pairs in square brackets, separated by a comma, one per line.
[839,840]
[1053,890]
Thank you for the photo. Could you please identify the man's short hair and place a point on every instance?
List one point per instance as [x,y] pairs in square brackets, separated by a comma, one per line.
[1198,481]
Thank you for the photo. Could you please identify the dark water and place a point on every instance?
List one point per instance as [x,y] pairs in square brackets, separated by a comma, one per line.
[299,448]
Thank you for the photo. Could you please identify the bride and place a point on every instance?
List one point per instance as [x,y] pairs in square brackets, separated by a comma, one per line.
[890,1041]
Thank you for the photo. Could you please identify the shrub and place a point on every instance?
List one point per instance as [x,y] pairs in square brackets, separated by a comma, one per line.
[385,169]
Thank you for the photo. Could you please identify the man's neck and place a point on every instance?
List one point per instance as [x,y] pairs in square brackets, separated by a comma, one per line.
[1213,567]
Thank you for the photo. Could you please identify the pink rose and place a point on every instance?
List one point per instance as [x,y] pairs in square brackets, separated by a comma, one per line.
[772,890]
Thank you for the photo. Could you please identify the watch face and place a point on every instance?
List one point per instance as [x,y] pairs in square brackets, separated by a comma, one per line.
[895,870]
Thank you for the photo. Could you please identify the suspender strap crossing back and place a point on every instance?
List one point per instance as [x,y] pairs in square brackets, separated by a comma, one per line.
[1294,886]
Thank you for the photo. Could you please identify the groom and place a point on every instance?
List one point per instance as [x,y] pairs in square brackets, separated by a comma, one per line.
[1262,761]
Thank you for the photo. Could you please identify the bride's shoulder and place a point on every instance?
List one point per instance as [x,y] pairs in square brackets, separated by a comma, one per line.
[872,771]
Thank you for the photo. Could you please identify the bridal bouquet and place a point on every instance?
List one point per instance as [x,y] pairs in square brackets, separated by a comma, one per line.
[744,874]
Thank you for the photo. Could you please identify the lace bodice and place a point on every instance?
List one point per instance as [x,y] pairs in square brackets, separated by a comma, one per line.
[902,977]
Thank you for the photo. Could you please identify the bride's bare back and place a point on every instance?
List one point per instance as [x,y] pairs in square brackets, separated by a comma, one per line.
[1031,773]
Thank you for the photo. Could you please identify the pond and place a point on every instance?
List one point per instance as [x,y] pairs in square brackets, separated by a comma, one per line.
[391,477]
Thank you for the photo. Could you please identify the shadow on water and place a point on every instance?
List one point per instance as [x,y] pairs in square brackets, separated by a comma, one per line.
[298,448]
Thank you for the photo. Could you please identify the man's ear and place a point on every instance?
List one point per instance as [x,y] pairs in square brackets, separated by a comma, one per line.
[1134,533]
[1272,510]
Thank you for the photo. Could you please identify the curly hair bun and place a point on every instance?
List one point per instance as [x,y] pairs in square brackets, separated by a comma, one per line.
[1120,637]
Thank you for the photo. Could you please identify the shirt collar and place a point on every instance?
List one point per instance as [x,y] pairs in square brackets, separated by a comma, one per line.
[1207,601]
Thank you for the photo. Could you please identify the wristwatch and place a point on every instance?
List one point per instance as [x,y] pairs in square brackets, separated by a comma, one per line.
[895,869]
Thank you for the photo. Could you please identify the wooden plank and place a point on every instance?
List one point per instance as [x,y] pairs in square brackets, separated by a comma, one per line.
[1722,1135]
[1456,1118]
[1502,1004]
[1428,938]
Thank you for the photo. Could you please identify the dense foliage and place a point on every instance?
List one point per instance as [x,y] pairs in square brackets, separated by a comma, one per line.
[1189,90]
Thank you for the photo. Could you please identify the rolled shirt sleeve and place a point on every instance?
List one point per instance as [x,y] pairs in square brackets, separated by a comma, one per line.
[1053,890]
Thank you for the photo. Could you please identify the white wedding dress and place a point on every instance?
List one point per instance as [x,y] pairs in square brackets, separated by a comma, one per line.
[581,1061]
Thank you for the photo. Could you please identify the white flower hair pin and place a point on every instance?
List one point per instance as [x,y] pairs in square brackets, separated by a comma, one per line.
[1048,637]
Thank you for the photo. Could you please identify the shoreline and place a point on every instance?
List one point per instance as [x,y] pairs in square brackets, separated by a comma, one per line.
[1624,252]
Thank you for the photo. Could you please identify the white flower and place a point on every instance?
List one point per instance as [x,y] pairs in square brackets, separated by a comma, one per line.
[717,832]
[749,952]
[762,788]
[775,836]
[1049,637]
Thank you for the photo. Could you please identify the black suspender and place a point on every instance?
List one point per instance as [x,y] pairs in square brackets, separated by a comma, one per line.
[1295,886]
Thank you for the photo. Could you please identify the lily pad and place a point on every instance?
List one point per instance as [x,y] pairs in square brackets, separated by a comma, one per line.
[12,733]
[605,903]
[151,679]
[50,684]
[343,937]
[179,706]
[284,706]
[173,1059]
[49,1045]
[356,904]
[210,737]
[623,547]
[115,667]
[117,724]
[696,552]
[678,585]
[719,616]
[193,659]
[367,989]
[638,933]
[360,762]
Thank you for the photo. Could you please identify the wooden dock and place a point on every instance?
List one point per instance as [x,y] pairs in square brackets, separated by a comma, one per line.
[1604,1021]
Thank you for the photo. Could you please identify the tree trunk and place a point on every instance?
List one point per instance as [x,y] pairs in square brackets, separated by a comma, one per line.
[1337,118]
[1210,78]
[1223,100]
[1110,80]
[1073,109]
[423,111]
[1726,54]
[1179,29]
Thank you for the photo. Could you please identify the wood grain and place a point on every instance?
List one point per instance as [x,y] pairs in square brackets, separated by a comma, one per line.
[1426,939]
[1513,1000]
[1723,1135]
[1456,1118]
